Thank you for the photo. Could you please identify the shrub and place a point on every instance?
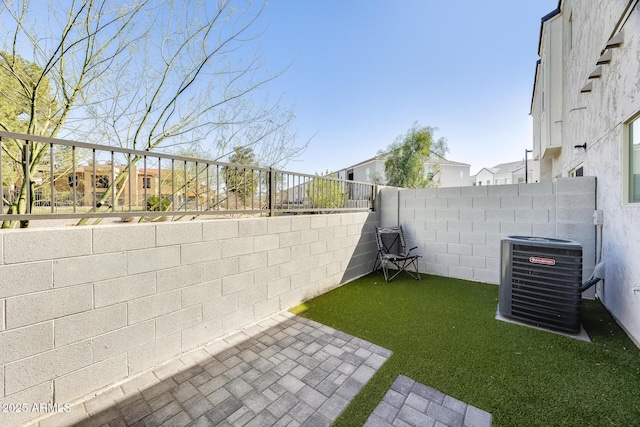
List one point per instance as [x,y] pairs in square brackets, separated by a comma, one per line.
[155,203]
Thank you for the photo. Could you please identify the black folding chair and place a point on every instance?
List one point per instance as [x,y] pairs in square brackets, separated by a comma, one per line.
[393,253]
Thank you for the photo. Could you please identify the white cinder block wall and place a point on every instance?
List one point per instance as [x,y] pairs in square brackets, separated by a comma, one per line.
[81,308]
[458,230]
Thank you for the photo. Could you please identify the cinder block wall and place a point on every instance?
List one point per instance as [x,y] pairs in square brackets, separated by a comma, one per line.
[458,230]
[81,308]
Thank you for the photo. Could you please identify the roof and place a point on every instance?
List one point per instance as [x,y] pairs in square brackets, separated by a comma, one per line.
[441,159]
[507,167]
[381,157]
[452,163]
[511,167]
[364,162]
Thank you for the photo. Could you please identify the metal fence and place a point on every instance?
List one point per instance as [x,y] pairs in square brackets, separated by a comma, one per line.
[47,178]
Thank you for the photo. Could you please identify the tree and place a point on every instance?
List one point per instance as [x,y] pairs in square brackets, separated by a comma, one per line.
[242,182]
[26,106]
[406,156]
[378,179]
[142,74]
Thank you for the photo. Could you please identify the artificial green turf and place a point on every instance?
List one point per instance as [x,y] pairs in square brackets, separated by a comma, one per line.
[443,333]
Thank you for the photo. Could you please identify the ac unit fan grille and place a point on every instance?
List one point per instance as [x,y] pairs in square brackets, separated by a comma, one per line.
[544,286]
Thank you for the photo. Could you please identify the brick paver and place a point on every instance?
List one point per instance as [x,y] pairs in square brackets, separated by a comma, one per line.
[409,403]
[284,371]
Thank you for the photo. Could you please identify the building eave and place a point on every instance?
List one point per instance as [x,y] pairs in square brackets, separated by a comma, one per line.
[544,19]
[364,162]
[535,83]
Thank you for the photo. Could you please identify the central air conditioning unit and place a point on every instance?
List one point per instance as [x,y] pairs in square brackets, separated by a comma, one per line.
[540,282]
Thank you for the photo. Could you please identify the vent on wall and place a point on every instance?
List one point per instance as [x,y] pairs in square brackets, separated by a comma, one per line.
[540,282]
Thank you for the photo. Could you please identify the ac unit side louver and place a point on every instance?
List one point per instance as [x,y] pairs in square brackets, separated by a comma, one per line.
[540,282]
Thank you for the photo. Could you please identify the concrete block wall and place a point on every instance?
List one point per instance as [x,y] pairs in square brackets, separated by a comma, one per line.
[81,308]
[458,230]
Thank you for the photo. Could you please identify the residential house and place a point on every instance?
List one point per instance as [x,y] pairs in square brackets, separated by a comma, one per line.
[504,173]
[586,121]
[445,173]
[103,175]
[134,192]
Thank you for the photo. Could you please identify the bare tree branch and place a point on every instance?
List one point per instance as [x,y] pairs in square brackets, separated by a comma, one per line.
[145,74]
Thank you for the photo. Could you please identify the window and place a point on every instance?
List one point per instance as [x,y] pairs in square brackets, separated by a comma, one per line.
[367,173]
[146,182]
[633,144]
[430,173]
[102,181]
[73,180]
[579,171]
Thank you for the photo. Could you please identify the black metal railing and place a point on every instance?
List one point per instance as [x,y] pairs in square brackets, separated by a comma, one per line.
[44,178]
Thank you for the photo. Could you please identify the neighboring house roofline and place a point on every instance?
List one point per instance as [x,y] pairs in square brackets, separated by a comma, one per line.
[509,166]
[449,162]
[364,162]
[454,163]
[485,169]
[439,159]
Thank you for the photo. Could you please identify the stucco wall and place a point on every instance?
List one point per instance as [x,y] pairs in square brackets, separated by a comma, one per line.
[598,119]
[454,175]
[81,308]
[483,177]
[613,101]
[360,172]
[458,230]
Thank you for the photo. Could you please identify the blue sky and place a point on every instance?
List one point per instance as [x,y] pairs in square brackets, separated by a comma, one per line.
[363,71]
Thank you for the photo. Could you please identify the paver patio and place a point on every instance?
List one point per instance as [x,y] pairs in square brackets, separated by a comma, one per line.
[410,403]
[283,371]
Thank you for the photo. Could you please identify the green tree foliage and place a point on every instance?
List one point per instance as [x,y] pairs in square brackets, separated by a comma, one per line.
[326,192]
[155,203]
[404,166]
[27,105]
[241,181]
